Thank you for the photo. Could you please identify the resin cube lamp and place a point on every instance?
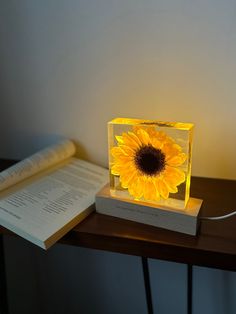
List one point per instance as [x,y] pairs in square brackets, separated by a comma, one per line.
[150,174]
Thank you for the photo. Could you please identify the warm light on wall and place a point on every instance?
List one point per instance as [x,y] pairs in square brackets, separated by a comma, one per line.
[150,161]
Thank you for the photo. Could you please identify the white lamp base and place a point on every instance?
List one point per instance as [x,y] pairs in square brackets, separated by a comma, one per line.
[185,221]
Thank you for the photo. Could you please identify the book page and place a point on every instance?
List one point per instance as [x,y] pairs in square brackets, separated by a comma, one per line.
[36,210]
[39,161]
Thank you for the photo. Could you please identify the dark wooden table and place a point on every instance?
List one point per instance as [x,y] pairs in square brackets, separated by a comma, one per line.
[214,246]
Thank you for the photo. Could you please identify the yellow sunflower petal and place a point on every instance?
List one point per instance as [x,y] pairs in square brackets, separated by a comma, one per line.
[171,150]
[156,143]
[164,138]
[120,170]
[136,187]
[123,159]
[174,175]
[128,150]
[127,179]
[150,192]
[120,156]
[151,131]
[177,160]
[122,150]
[117,152]
[130,140]
[127,166]
[116,169]
[162,188]
[144,137]
[135,138]
[147,191]
[171,188]
[119,139]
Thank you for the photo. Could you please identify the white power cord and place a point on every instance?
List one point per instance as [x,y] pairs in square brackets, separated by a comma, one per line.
[219,217]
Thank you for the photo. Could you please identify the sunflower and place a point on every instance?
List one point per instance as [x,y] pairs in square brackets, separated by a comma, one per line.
[148,163]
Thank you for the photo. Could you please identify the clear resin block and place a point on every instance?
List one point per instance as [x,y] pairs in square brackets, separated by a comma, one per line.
[150,161]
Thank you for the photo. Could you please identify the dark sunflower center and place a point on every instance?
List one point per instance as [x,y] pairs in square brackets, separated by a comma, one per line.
[150,160]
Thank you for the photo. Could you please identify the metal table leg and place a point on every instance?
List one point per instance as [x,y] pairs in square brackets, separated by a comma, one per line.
[147,285]
[190,288]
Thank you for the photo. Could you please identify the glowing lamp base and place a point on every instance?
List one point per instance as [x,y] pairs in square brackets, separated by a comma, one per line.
[171,218]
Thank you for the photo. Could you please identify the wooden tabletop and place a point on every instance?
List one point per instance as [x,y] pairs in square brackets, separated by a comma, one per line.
[214,246]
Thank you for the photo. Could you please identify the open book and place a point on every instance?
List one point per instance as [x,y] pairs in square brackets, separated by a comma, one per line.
[45,195]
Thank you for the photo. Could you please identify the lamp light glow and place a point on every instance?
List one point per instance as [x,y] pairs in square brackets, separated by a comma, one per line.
[150,161]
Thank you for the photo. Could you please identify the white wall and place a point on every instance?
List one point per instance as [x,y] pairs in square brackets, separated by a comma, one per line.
[68,67]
